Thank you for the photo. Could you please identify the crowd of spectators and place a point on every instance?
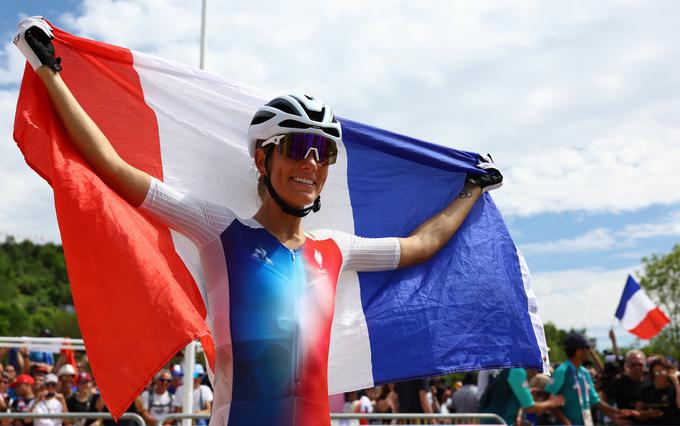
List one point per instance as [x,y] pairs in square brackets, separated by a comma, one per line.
[584,389]
[39,382]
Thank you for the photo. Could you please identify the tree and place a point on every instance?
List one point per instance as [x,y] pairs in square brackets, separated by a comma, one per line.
[34,290]
[661,281]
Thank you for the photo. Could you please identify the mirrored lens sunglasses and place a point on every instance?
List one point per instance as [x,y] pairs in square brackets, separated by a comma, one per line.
[298,146]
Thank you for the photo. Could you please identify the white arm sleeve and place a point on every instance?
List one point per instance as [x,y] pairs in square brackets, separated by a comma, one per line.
[199,220]
[364,254]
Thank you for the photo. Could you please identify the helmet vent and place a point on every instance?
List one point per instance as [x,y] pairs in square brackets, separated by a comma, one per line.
[315,115]
[294,124]
[332,131]
[261,117]
[284,106]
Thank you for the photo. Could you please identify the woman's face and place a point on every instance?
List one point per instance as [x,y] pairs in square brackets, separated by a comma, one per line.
[297,182]
[660,374]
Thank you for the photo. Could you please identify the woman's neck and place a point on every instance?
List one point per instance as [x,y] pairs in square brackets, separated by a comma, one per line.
[285,227]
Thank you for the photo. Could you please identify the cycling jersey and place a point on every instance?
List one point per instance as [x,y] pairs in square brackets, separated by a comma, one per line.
[271,307]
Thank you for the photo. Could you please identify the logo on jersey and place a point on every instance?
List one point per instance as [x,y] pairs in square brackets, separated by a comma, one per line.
[260,255]
[319,261]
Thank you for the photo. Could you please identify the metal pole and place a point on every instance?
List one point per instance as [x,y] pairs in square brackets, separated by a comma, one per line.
[204,43]
[188,381]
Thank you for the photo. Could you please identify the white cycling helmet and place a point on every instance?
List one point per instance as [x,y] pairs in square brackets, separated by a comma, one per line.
[293,114]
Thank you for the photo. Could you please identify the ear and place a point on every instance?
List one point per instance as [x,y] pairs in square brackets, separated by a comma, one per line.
[259,161]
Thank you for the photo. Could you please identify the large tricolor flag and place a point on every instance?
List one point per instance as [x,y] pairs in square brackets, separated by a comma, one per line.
[139,289]
[638,314]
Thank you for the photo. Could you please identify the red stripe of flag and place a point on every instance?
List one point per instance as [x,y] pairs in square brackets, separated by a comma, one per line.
[651,325]
[137,303]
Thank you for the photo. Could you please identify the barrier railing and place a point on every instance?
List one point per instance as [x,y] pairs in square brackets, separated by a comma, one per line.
[132,416]
[372,416]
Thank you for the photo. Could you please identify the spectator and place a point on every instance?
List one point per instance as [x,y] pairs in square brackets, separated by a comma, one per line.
[66,374]
[4,392]
[48,401]
[177,376]
[662,395]
[545,417]
[573,381]
[24,396]
[11,372]
[465,400]
[624,390]
[45,359]
[82,400]
[202,396]
[136,408]
[158,401]
[412,396]
[507,391]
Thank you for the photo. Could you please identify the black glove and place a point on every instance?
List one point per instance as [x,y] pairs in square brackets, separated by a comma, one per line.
[41,44]
[492,179]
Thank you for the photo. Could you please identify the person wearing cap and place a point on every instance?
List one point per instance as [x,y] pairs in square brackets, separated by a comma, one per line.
[572,380]
[67,374]
[48,401]
[202,398]
[177,376]
[82,400]
[24,396]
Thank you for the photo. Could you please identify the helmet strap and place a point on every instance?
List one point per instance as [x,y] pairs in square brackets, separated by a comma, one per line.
[285,207]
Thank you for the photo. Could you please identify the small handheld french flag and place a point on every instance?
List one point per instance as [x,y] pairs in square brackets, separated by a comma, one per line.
[638,314]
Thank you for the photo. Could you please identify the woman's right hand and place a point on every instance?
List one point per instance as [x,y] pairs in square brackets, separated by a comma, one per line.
[34,41]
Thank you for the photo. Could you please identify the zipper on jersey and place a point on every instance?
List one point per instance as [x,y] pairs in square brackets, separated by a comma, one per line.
[298,330]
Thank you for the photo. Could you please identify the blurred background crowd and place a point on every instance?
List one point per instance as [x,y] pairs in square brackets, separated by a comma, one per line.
[604,388]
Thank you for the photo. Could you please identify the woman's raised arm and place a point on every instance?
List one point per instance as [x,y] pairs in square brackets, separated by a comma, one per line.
[130,183]
[433,234]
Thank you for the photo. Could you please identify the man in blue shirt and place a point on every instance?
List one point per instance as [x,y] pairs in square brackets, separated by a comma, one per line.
[573,381]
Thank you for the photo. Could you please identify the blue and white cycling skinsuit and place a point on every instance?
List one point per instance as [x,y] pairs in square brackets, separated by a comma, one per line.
[270,307]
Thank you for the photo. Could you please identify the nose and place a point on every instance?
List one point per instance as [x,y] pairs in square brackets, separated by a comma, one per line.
[311,160]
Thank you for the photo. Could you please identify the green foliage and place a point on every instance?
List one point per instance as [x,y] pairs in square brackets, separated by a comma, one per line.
[35,290]
[661,281]
[555,338]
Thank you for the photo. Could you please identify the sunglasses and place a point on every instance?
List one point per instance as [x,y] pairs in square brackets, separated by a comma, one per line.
[165,380]
[297,146]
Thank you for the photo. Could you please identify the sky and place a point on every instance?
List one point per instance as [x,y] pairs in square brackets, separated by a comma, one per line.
[577,101]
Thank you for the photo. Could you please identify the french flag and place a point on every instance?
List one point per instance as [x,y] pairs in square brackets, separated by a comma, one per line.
[638,314]
[139,289]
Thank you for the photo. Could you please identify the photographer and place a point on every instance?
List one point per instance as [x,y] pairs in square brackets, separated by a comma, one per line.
[48,401]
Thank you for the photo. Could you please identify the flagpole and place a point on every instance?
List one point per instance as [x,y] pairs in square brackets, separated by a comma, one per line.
[204,43]
[190,350]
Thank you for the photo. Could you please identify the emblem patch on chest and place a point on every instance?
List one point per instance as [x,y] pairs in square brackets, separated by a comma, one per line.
[260,254]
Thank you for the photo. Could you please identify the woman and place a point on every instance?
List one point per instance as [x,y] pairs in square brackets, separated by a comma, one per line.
[661,396]
[279,280]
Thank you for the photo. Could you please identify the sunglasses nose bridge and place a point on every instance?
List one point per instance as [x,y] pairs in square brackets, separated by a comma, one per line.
[316,154]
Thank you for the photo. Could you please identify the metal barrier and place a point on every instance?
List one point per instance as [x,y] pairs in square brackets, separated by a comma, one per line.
[372,416]
[133,416]
[410,416]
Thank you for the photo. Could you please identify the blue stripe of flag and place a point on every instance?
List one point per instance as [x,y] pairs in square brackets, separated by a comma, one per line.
[629,290]
[466,308]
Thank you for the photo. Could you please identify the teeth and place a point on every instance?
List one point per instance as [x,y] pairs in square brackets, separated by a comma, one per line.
[303,180]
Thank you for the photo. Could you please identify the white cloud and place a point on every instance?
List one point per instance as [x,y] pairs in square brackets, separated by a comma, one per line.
[570,98]
[602,239]
[581,298]
[596,239]
[574,99]
[27,209]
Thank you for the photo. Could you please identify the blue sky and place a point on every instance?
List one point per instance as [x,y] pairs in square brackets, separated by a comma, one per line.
[576,100]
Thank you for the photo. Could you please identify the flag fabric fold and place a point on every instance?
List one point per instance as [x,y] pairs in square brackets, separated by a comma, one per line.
[138,287]
[638,314]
